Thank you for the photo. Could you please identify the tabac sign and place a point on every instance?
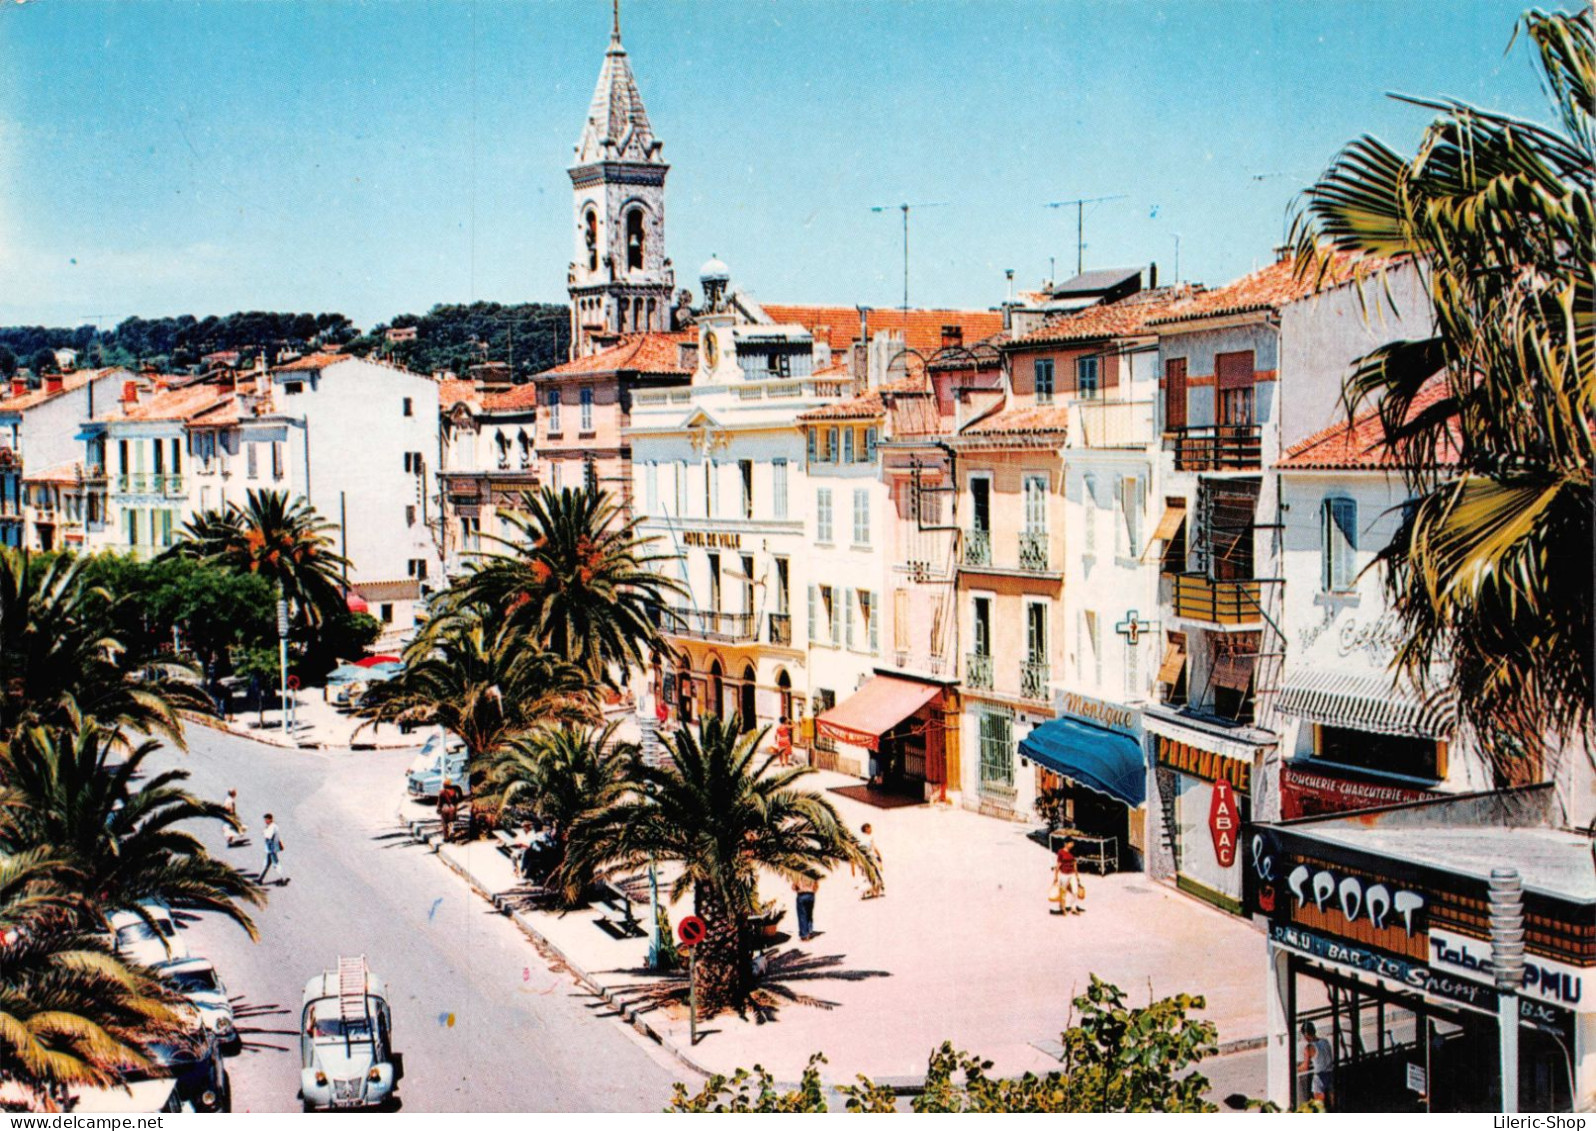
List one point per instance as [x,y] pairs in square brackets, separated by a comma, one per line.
[1224,823]
[1545,979]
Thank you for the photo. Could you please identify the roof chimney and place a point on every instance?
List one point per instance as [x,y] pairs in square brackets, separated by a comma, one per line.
[19,386]
[1152,276]
[1283,253]
[952,336]
[54,383]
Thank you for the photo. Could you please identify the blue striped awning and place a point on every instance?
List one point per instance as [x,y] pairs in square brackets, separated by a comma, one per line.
[1380,704]
[1104,760]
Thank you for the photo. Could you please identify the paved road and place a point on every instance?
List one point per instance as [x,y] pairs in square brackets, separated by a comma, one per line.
[483,1023]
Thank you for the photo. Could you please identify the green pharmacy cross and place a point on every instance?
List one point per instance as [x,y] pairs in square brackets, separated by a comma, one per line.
[1132,627]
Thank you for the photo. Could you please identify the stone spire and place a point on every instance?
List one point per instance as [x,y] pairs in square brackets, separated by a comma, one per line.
[617,125]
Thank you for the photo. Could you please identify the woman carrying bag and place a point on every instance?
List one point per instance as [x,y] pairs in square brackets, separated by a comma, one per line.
[1067,886]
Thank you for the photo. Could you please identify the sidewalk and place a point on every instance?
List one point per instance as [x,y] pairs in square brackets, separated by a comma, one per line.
[316,724]
[962,949]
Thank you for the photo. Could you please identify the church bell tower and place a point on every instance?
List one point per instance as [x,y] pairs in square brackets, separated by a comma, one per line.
[620,281]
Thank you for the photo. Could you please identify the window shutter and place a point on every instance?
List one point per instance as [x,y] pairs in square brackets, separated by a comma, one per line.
[900,620]
[875,625]
[813,443]
[836,622]
[848,614]
[847,445]
[872,437]
[1174,394]
[812,603]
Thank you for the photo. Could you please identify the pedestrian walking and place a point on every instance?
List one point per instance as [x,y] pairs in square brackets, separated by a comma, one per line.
[237,833]
[877,887]
[448,805]
[1317,1063]
[1067,888]
[784,741]
[273,841]
[806,887]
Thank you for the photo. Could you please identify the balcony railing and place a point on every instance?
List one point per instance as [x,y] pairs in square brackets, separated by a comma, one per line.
[978,670]
[1033,680]
[978,547]
[1116,424]
[1217,602]
[710,625]
[146,483]
[1219,447]
[1033,551]
[780,628]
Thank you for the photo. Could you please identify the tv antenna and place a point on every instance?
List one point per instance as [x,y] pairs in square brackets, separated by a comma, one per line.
[905,209]
[1079,204]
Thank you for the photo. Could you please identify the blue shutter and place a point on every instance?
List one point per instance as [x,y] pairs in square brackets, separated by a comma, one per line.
[871,439]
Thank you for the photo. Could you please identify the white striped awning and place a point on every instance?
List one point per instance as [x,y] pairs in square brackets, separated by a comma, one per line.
[1381,704]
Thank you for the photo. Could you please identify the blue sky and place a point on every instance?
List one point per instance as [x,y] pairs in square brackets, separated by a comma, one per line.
[372,158]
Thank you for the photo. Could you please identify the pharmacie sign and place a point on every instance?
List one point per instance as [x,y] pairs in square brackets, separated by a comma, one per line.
[1545,979]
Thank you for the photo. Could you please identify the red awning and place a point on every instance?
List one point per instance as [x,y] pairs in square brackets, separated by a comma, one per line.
[373,661]
[877,707]
[357,603]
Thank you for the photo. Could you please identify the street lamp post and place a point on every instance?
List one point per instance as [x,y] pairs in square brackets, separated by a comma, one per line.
[282,656]
[1506,906]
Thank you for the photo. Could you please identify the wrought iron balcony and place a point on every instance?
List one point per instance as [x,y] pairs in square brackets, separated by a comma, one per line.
[780,628]
[1219,447]
[978,547]
[1033,680]
[1217,602]
[710,625]
[978,670]
[1034,551]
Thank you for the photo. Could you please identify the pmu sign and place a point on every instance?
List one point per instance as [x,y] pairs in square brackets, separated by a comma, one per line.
[1224,822]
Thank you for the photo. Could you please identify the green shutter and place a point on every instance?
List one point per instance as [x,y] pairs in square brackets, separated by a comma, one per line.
[848,614]
[812,622]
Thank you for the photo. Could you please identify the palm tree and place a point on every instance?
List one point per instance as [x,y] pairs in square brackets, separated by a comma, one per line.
[122,833]
[484,683]
[283,540]
[578,577]
[71,1014]
[560,773]
[723,814]
[60,657]
[1491,571]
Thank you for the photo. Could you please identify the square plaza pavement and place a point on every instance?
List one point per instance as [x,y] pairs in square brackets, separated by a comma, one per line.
[963,947]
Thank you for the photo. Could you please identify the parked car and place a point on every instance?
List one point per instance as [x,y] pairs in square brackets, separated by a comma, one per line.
[149,939]
[193,1062]
[441,757]
[197,980]
[345,1040]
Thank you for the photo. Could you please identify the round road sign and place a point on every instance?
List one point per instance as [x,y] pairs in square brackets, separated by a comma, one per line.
[691,931]
[293,683]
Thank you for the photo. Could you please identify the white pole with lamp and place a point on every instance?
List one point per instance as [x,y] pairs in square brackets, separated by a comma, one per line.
[282,656]
[1506,905]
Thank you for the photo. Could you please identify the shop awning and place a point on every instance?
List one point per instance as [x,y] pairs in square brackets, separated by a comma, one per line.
[1376,703]
[881,704]
[1103,760]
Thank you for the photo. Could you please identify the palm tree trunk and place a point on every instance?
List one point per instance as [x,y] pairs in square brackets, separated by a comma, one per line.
[725,975]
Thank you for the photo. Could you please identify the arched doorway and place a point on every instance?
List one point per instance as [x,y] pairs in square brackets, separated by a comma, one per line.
[745,699]
[784,689]
[684,690]
[717,689]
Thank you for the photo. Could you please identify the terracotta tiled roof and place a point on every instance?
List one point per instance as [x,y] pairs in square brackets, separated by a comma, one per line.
[869,406]
[454,390]
[841,324]
[1016,421]
[178,404]
[68,472]
[69,381]
[639,353]
[1360,444]
[1129,315]
[312,361]
[1267,289]
[520,398]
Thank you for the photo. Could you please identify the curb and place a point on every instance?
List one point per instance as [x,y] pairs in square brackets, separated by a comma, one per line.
[630,1015]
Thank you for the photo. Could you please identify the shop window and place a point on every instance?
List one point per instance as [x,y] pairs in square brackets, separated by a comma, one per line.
[1383,753]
